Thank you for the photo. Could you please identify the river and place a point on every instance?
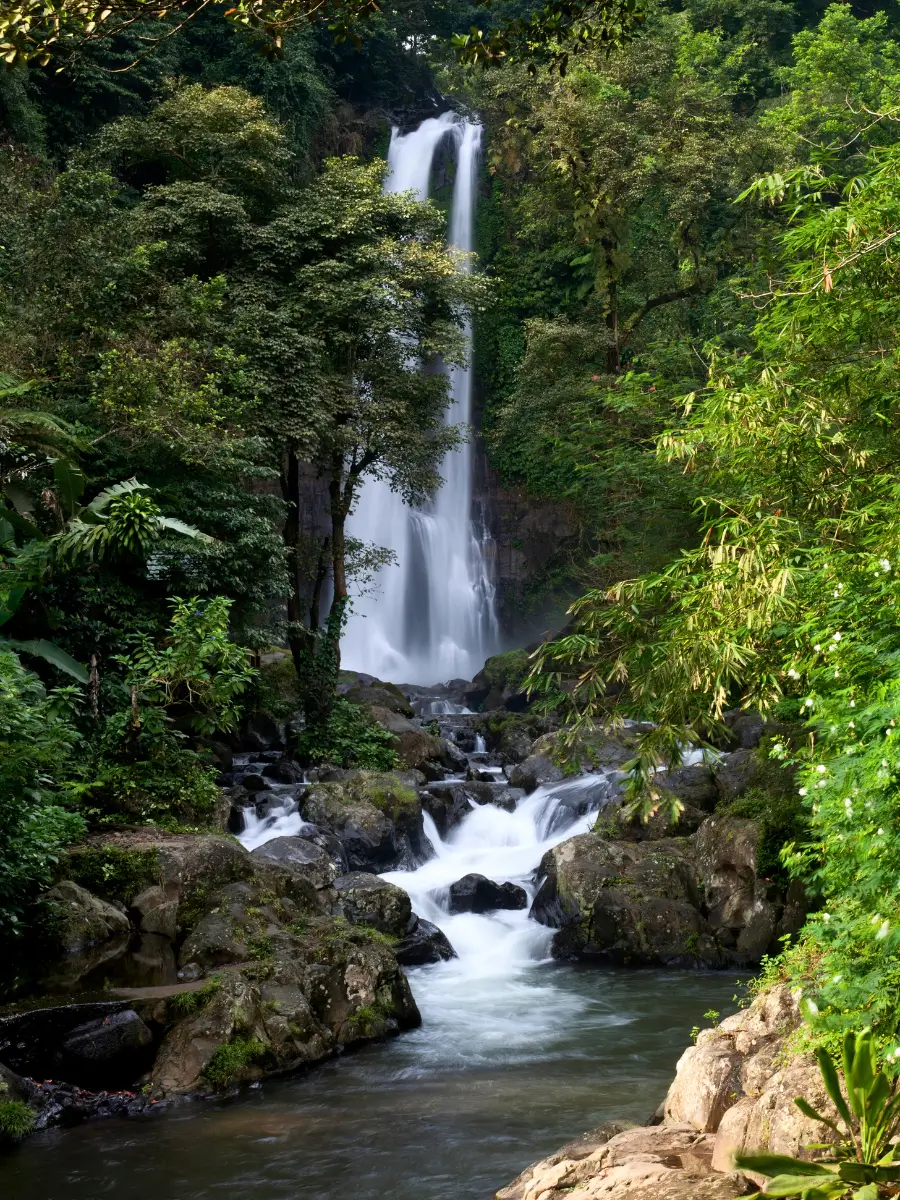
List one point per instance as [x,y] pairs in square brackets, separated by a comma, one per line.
[516,1055]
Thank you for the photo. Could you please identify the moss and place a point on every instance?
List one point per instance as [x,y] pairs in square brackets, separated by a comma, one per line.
[260,947]
[369,1020]
[388,795]
[111,872]
[187,1003]
[16,1120]
[277,689]
[507,670]
[231,1058]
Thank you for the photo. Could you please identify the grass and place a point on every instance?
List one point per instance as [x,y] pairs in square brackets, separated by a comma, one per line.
[231,1058]
[16,1120]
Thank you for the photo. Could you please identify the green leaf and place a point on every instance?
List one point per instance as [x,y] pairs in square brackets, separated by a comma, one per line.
[69,484]
[796,1185]
[175,526]
[869,1192]
[51,653]
[833,1085]
[778,1164]
[101,503]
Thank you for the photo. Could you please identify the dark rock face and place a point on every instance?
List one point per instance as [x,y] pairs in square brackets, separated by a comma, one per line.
[693,785]
[624,902]
[425,944]
[381,695]
[261,733]
[86,919]
[313,862]
[446,804]
[91,1045]
[368,900]
[284,771]
[536,770]
[478,894]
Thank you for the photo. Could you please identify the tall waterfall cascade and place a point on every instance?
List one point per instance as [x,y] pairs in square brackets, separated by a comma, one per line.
[430,616]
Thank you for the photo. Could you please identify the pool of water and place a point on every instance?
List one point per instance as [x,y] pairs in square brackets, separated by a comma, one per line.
[495,1078]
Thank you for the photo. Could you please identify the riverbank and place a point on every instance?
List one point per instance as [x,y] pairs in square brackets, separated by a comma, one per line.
[733,1092]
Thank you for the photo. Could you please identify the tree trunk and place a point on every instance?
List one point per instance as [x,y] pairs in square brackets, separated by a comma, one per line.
[299,638]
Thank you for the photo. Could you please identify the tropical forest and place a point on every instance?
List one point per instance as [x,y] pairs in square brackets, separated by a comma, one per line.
[449,599]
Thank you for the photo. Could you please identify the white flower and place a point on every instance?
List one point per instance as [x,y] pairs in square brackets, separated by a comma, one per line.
[885,763]
[821,768]
[837,592]
[813,1007]
[883,931]
[881,833]
[817,646]
[848,803]
[826,916]
[836,674]
[851,724]
[792,674]
[807,703]
[853,704]
[836,637]
[836,978]
[885,564]
[822,783]
[802,792]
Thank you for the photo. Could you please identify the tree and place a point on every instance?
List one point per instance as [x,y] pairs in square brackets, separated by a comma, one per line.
[343,305]
[34,29]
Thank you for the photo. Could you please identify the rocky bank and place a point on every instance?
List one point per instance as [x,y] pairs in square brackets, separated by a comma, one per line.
[190,964]
[734,1090]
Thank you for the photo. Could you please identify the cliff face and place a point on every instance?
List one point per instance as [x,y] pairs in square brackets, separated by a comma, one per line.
[530,544]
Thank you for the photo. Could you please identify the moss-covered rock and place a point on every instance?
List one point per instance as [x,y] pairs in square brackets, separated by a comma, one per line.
[84,920]
[325,985]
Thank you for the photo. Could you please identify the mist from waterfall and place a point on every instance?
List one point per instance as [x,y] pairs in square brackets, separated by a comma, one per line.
[430,616]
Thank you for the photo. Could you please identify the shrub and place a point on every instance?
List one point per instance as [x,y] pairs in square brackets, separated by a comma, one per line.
[349,738]
[111,872]
[16,1120]
[36,743]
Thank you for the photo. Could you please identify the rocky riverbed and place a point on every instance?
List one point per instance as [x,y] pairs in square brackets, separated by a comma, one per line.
[195,964]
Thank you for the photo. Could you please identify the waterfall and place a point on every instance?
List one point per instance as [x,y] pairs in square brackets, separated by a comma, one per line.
[430,616]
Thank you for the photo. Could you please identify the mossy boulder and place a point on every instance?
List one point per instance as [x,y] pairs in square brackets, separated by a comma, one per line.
[367,900]
[326,985]
[83,919]
[625,902]
[376,816]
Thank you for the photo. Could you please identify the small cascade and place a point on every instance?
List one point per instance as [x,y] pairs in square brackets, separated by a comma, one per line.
[430,616]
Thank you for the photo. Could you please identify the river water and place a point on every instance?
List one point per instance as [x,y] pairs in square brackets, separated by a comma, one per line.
[515,1056]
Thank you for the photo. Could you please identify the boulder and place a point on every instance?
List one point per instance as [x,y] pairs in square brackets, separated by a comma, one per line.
[446,804]
[747,728]
[513,746]
[101,1045]
[380,695]
[12,1086]
[284,771]
[259,732]
[85,919]
[254,782]
[367,900]
[740,911]
[478,894]
[694,785]
[659,1163]
[298,854]
[624,902]
[597,749]
[155,912]
[424,944]
[367,835]
[322,988]
[536,770]
[393,722]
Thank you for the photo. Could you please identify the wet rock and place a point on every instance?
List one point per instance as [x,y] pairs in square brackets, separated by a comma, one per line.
[284,771]
[513,746]
[85,919]
[478,894]
[740,910]
[424,944]
[253,782]
[328,987]
[747,728]
[446,804]
[92,1045]
[155,912]
[536,770]
[393,722]
[479,775]
[314,862]
[215,941]
[694,785]
[596,749]
[380,695]
[368,900]
[624,902]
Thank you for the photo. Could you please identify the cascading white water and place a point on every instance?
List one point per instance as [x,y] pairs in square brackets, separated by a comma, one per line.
[490,997]
[430,616]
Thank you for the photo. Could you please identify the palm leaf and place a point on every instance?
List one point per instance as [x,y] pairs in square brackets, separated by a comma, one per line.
[51,653]
[69,485]
[173,525]
[102,501]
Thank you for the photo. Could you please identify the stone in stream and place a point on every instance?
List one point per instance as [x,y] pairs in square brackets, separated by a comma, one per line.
[478,894]
[284,771]
[368,900]
[425,944]
[303,856]
[537,769]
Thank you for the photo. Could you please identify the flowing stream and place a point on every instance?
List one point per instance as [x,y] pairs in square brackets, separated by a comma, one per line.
[515,1056]
[430,615]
